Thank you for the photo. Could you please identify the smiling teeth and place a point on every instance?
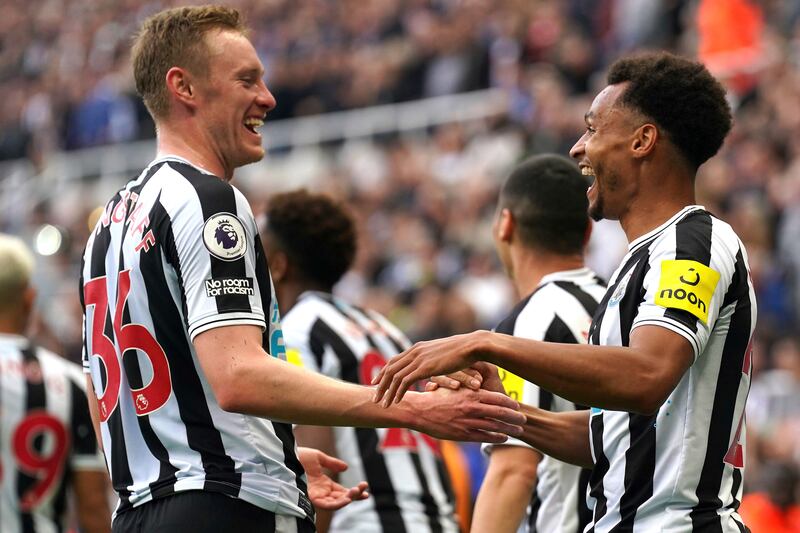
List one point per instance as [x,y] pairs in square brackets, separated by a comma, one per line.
[253,122]
[587,171]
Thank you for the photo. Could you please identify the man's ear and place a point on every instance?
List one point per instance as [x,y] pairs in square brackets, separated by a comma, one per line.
[180,86]
[505,225]
[28,303]
[278,266]
[644,140]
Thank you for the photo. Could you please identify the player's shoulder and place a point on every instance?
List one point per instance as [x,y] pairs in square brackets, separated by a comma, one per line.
[183,183]
[523,312]
[696,234]
[57,364]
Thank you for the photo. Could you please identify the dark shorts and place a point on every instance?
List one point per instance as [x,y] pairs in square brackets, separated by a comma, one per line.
[205,512]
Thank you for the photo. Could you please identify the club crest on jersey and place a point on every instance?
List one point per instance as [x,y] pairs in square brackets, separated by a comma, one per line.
[619,292]
[225,237]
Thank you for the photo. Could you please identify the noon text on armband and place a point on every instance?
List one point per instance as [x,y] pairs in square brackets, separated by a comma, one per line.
[229,286]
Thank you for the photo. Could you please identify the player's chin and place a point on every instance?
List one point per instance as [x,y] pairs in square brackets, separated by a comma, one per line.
[596,209]
[251,153]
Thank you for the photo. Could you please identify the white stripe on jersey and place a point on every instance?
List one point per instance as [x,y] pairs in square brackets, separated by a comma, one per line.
[345,342]
[669,471]
[40,394]
[155,233]
[559,310]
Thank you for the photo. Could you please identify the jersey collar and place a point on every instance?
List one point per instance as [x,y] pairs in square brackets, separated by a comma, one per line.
[637,243]
[166,158]
[566,275]
[15,340]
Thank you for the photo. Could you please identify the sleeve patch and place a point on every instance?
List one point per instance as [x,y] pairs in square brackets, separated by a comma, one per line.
[687,285]
[513,384]
[225,237]
[293,356]
[227,286]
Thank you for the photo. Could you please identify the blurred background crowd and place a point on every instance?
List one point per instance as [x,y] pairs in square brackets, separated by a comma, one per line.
[425,198]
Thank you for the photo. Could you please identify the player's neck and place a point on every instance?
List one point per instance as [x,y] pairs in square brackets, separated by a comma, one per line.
[192,148]
[12,325]
[654,207]
[530,266]
[288,293]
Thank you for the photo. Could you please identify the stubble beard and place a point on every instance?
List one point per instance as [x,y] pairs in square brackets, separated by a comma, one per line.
[596,210]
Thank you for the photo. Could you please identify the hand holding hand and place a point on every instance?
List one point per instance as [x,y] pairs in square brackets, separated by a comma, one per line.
[480,375]
[423,360]
[466,415]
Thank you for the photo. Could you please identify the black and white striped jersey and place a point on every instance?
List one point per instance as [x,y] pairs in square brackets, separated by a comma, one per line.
[409,487]
[560,310]
[177,253]
[681,468]
[46,434]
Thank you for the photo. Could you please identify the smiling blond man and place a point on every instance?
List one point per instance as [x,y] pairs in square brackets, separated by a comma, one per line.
[192,397]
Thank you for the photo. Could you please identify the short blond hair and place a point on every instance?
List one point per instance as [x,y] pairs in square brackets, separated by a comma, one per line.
[174,38]
[16,267]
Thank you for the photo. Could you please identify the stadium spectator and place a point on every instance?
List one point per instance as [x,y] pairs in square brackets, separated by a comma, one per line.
[47,447]
[681,300]
[773,409]
[194,419]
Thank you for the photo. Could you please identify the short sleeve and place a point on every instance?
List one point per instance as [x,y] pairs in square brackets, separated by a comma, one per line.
[685,286]
[213,236]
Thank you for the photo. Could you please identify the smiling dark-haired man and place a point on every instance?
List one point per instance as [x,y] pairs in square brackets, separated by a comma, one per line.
[667,371]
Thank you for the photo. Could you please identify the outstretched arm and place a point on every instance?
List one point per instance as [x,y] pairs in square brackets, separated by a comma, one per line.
[246,380]
[561,435]
[637,378]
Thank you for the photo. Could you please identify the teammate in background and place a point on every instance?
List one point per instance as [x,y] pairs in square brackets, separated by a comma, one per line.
[668,370]
[182,330]
[310,241]
[47,446]
[540,232]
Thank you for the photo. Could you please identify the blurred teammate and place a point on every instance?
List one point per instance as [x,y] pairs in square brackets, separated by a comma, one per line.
[310,242]
[47,446]
[181,319]
[668,371]
[540,232]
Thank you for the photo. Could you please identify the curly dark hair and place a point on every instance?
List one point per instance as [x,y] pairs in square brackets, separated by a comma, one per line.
[681,96]
[317,232]
[547,196]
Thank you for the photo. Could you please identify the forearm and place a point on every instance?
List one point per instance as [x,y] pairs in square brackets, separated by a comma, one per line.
[91,492]
[506,490]
[563,436]
[608,377]
[281,391]
[93,411]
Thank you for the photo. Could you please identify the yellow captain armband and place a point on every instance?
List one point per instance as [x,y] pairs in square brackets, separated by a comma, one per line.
[293,356]
[513,384]
[687,285]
